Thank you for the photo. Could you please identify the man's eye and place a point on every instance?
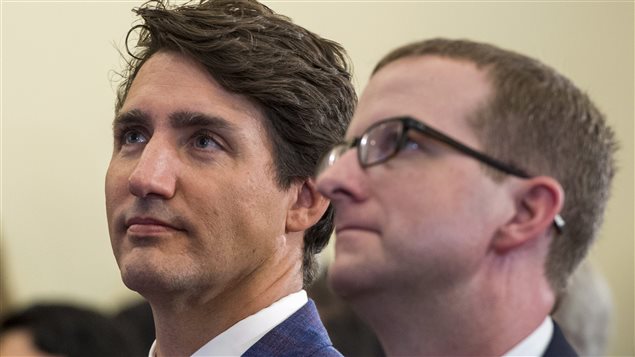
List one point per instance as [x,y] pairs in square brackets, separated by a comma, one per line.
[418,142]
[411,144]
[133,137]
[206,142]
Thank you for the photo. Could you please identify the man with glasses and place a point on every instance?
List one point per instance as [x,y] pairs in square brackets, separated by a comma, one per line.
[454,237]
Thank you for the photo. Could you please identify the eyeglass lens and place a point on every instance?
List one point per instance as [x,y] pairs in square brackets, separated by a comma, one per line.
[380,142]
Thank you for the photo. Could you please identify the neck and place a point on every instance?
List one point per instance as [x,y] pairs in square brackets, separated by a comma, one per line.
[487,321]
[186,321]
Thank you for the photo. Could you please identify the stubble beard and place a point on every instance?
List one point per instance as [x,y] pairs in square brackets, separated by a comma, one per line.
[150,278]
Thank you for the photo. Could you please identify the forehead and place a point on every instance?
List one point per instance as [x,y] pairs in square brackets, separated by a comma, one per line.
[170,82]
[441,92]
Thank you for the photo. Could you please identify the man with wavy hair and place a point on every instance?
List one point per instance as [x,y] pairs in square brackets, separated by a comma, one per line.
[223,114]
[450,200]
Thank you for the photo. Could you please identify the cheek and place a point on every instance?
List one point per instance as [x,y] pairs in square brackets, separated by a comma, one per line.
[240,211]
[267,201]
[115,187]
[118,197]
[439,205]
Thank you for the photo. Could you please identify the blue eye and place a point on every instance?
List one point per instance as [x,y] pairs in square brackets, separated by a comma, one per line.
[206,142]
[133,137]
[411,144]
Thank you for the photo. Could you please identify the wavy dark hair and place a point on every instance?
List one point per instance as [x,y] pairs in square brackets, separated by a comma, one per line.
[539,120]
[301,81]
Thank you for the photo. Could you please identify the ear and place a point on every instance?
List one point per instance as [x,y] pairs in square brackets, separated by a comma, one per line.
[537,201]
[308,207]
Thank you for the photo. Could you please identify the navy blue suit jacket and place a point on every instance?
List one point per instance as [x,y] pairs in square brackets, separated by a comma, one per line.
[302,334]
[559,346]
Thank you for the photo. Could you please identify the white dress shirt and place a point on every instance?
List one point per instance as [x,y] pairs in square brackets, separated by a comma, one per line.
[536,343]
[237,339]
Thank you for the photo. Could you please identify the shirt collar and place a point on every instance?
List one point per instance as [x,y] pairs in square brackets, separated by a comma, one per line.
[536,343]
[237,339]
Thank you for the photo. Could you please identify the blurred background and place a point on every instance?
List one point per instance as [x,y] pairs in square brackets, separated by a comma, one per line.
[58,79]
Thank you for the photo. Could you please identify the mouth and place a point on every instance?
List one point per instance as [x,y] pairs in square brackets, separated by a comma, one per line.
[149,226]
[352,228]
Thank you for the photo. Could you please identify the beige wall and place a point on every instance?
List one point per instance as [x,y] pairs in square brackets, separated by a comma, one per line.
[57,98]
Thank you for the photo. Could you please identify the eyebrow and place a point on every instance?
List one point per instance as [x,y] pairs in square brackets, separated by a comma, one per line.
[187,119]
[178,120]
[131,117]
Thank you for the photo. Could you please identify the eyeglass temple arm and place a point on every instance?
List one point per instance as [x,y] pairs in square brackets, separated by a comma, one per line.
[506,168]
[558,221]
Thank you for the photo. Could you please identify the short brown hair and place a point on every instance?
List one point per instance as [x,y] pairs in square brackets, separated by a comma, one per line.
[300,80]
[540,121]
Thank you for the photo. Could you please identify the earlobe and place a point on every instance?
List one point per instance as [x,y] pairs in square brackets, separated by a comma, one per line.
[538,201]
[308,207]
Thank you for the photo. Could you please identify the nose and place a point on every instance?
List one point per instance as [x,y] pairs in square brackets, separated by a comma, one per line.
[345,180]
[155,174]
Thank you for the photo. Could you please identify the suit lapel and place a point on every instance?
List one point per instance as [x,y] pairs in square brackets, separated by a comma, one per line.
[302,334]
[559,346]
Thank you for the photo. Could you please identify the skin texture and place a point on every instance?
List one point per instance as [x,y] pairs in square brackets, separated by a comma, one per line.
[428,235]
[198,224]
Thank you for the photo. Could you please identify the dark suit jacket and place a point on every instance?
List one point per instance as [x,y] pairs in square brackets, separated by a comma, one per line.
[559,346]
[302,334]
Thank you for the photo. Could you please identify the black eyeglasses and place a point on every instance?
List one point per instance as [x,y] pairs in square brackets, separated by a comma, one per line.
[383,140]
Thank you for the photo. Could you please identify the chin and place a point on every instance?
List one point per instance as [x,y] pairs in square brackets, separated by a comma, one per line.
[146,278]
[139,279]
